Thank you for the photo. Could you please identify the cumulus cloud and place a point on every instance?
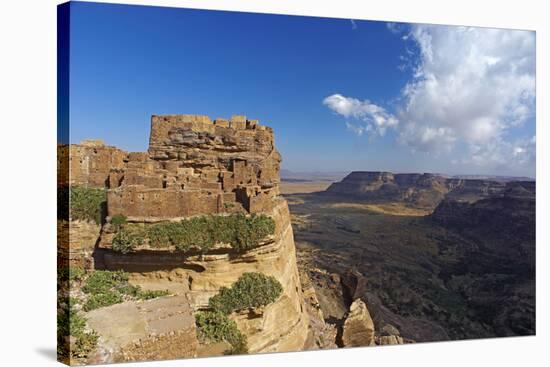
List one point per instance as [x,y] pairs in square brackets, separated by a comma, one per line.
[372,118]
[472,88]
[471,85]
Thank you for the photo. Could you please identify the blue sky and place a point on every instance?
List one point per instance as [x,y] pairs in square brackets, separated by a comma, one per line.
[341,95]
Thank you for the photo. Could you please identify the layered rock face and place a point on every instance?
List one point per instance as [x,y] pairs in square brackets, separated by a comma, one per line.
[195,166]
[424,190]
[358,327]
[280,326]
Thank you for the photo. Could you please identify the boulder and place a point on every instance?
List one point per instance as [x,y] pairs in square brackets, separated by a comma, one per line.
[358,327]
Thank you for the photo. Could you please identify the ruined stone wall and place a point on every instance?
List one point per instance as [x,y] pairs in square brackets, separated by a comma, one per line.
[88,163]
[198,166]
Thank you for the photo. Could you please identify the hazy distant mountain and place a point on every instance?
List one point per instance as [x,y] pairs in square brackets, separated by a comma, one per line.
[291,176]
[425,190]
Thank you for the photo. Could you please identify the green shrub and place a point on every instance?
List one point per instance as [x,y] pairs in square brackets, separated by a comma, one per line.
[87,204]
[118,220]
[216,326]
[128,289]
[238,230]
[102,300]
[127,239]
[105,288]
[250,290]
[101,281]
[249,232]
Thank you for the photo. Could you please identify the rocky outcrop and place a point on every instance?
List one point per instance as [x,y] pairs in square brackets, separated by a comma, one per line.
[161,328]
[280,326]
[322,335]
[195,166]
[358,327]
[424,190]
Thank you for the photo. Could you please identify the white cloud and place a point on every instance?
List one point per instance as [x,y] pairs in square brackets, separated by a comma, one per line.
[471,90]
[471,85]
[373,118]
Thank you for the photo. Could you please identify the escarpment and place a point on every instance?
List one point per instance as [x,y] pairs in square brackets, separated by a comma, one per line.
[195,172]
[422,190]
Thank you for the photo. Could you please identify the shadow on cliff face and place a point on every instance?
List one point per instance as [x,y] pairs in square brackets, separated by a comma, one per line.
[339,324]
[144,261]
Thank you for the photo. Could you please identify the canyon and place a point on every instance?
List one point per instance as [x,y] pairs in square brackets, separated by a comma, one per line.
[440,258]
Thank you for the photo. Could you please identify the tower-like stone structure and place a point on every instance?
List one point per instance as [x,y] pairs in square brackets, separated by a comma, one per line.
[198,166]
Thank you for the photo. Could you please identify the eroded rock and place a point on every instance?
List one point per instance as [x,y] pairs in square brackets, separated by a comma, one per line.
[358,327]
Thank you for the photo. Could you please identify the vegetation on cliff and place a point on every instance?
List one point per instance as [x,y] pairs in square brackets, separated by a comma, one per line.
[216,326]
[118,220]
[250,290]
[240,231]
[105,288]
[87,203]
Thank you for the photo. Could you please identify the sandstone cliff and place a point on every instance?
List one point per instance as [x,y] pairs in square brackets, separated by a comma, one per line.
[194,167]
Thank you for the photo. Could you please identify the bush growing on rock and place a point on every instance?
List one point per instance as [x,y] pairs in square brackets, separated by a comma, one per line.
[87,203]
[106,288]
[250,290]
[238,230]
[118,220]
[101,281]
[102,300]
[217,326]
[127,239]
